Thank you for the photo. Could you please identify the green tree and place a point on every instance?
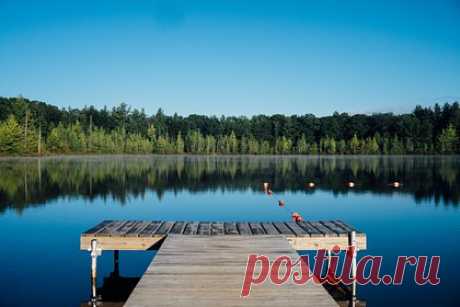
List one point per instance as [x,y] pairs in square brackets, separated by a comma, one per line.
[313,149]
[354,145]
[302,145]
[179,144]
[233,143]
[253,146]
[57,140]
[447,141]
[397,147]
[372,146]
[10,136]
[341,147]
[283,145]
[210,145]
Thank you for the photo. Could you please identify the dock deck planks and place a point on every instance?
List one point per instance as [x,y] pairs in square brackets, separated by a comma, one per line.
[142,235]
[209,271]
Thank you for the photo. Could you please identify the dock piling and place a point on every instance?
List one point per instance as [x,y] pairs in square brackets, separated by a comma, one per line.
[352,243]
[95,252]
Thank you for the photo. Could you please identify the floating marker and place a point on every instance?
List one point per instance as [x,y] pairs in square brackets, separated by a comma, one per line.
[351,184]
[266,186]
[269,192]
[311,185]
[296,217]
[281,203]
[396,184]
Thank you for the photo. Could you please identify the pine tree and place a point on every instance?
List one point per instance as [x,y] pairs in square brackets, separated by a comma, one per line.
[253,146]
[233,143]
[10,136]
[396,146]
[313,150]
[210,145]
[302,145]
[341,147]
[354,145]
[372,146]
[179,147]
[447,140]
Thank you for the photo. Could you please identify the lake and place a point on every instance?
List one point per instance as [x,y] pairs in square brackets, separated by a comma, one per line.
[45,203]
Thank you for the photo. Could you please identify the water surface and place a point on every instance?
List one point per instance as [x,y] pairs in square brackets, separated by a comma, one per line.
[45,203]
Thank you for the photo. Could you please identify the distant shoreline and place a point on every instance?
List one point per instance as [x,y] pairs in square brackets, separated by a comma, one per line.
[77,155]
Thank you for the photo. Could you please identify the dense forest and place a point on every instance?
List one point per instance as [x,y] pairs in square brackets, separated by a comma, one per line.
[35,128]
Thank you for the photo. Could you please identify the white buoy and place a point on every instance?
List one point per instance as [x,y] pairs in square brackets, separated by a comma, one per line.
[311,185]
[351,184]
[266,185]
[396,184]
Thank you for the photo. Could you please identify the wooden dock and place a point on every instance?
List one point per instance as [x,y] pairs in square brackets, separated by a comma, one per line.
[145,235]
[204,263]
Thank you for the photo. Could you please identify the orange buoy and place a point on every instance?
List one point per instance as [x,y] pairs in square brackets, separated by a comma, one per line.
[351,184]
[311,185]
[396,184]
[281,203]
[296,217]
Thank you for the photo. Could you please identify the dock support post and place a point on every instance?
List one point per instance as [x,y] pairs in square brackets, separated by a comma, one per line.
[353,244]
[95,252]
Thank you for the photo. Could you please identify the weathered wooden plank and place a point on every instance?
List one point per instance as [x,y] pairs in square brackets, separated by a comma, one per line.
[109,229]
[283,229]
[312,231]
[97,228]
[150,230]
[244,229]
[230,229]
[177,229]
[204,229]
[323,229]
[164,228]
[329,242]
[121,243]
[338,230]
[345,226]
[299,231]
[257,229]
[135,231]
[348,228]
[191,228]
[217,229]
[124,229]
[209,270]
[270,229]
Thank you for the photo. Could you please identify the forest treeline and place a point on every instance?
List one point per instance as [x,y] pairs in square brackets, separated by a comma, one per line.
[35,128]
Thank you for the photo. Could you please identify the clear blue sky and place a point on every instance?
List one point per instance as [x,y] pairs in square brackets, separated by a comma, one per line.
[232,57]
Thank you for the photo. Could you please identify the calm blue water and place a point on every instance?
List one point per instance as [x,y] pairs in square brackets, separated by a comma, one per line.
[46,203]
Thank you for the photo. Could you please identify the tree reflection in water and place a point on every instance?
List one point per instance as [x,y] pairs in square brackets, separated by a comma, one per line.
[26,182]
